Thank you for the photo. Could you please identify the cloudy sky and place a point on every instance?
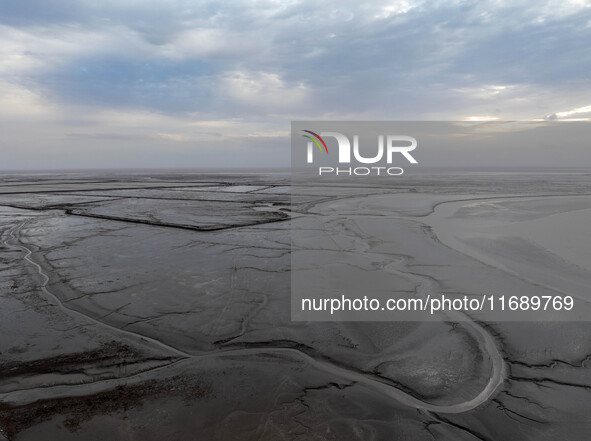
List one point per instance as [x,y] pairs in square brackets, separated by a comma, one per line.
[173,83]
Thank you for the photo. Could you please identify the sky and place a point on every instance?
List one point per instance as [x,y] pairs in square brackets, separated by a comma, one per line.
[194,84]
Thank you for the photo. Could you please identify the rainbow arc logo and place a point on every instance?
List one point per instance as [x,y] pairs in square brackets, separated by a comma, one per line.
[316,139]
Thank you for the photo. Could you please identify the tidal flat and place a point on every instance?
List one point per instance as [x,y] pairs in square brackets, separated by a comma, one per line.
[157,306]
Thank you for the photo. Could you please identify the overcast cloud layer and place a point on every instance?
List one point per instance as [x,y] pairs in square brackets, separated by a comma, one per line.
[118,83]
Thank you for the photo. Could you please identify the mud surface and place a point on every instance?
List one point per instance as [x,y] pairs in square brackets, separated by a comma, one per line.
[158,307]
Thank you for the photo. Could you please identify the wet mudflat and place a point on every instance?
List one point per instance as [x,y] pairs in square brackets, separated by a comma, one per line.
[157,306]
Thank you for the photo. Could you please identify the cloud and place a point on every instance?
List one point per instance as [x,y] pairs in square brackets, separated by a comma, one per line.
[250,67]
[261,89]
[579,112]
[19,102]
